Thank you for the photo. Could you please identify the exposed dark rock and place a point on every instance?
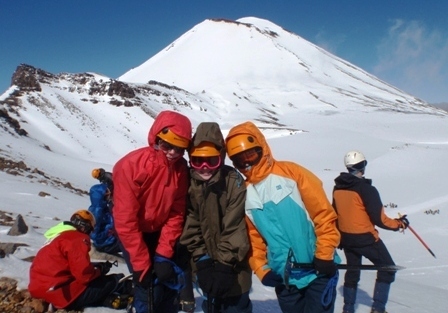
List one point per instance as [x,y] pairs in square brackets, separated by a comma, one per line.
[44,194]
[27,77]
[9,248]
[120,89]
[12,122]
[19,227]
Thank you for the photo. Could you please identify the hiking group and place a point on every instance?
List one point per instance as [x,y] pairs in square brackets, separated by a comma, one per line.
[205,223]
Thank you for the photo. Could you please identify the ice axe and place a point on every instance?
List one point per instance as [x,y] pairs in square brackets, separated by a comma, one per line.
[419,238]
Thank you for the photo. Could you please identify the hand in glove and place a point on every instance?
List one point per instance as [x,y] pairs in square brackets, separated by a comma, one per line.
[144,281]
[104,267]
[224,277]
[204,274]
[326,267]
[272,279]
[404,222]
[164,270]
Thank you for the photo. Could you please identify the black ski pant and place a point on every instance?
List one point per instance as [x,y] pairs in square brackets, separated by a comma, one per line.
[96,292]
[377,253]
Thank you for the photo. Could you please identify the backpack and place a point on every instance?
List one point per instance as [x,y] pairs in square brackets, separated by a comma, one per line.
[103,237]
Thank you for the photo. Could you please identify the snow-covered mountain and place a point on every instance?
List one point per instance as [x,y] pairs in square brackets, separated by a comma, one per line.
[255,62]
[312,106]
[220,70]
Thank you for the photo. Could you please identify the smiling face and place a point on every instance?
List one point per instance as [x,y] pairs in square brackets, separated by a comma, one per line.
[205,173]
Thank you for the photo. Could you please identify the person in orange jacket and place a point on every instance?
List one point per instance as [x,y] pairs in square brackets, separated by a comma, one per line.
[62,274]
[289,220]
[150,192]
[359,208]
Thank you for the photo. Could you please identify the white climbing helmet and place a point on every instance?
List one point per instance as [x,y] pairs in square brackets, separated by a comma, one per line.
[353,157]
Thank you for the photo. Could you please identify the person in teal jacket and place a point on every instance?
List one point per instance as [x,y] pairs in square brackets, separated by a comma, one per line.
[289,220]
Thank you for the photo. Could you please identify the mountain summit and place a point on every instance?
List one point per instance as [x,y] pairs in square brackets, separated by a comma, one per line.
[252,61]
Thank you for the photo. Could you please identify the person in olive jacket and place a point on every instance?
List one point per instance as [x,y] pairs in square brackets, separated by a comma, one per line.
[215,231]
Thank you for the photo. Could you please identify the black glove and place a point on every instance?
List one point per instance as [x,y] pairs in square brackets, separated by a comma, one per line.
[326,267]
[104,267]
[204,274]
[272,279]
[224,277]
[164,270]
[144,281]
[404,221]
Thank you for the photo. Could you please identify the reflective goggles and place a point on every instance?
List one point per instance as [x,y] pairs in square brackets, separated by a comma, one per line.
[211,163]
[247,158]
[167,147]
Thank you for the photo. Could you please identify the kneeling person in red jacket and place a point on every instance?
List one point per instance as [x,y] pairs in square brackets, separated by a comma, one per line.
[62,273]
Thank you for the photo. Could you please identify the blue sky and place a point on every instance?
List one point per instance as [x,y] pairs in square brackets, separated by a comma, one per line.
[403,42]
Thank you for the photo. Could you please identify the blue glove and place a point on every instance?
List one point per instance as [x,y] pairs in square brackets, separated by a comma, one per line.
[272,279]
[163,269]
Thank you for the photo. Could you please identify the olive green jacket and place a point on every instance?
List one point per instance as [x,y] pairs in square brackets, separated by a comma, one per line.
[215,224]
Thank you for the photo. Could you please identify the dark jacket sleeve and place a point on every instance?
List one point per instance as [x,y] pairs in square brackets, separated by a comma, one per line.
[375,210]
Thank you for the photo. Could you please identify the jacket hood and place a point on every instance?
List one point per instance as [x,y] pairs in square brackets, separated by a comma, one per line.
[209,131]
[346,180]
[176,122]
[59,228]
[260,171]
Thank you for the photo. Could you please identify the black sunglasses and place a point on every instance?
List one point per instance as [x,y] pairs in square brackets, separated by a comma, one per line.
[166,146]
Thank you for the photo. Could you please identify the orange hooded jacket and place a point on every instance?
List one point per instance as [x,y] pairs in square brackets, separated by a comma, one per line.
[286,208]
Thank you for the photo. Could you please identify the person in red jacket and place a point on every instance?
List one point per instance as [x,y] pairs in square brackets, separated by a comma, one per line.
[150,191]
[62,274]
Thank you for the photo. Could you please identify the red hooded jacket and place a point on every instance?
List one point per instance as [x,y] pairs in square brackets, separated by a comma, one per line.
[150,194]
[61,270]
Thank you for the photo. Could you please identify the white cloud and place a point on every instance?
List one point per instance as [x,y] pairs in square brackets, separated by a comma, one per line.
[415,59]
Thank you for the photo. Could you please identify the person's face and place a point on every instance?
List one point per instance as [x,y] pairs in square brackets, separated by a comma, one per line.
[205,167]
[172,152]
[248,158]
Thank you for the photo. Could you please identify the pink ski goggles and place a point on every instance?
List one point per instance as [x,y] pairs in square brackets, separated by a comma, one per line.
[211,163]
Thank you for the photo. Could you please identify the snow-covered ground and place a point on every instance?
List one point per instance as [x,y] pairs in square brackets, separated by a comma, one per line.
[406,162]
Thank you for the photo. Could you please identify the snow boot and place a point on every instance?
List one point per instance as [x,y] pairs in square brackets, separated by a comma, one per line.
[118,302]
[349,299]
[380,297]
[186,295]
[187,306]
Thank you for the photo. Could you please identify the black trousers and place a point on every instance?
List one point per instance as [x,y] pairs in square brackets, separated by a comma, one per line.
[96,292]
[377,253]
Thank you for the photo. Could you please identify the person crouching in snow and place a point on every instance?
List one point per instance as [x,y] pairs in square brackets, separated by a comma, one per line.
[62,273]
[290,220]
[215,231]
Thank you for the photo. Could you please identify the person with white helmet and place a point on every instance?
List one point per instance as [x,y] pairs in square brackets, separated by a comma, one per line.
[359,208]
[63,275]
